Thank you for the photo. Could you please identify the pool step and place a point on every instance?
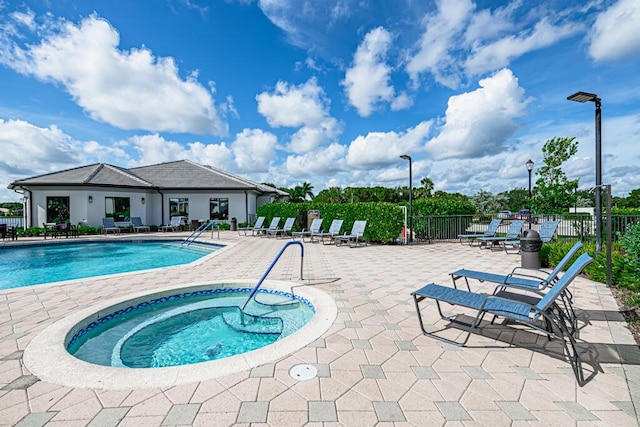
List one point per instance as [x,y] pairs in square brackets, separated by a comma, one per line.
[243,322]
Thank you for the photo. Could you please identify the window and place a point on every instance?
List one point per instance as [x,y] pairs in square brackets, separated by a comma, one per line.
[119,208]
[58,209]
[219,209]
[179,207]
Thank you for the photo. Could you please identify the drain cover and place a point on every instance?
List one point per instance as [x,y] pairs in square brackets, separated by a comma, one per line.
[303,372]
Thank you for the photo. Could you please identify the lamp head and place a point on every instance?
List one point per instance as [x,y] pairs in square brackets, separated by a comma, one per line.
[583,97]
[405,157]
[530,165]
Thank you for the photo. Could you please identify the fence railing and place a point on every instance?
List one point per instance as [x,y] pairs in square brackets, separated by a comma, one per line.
[570,227]
[11,221]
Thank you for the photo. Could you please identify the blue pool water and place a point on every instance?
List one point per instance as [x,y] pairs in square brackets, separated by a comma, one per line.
[36,264]
[191,327]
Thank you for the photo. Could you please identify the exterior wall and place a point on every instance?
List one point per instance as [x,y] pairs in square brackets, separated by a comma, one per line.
[199,203]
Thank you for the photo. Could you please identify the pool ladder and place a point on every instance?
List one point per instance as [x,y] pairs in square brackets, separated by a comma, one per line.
[198,231]
[264,276]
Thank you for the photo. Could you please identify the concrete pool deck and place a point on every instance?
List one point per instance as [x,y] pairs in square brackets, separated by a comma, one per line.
[374,366]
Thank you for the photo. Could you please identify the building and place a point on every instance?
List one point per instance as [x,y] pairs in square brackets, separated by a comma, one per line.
[87,194]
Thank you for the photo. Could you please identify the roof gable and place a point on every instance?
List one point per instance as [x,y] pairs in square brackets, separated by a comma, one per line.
[95,174]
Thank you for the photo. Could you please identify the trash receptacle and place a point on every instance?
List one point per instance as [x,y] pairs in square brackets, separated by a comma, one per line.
[234,224]
[311,215]
[530,245]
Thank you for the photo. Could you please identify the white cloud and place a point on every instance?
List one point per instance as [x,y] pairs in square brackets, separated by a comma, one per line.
[254,150]
[153,149]
[127,89]
[438,40]
[501,52]
[326,161]
[615,33]
[478,123]
[304,106]
[379,149]
[367,81]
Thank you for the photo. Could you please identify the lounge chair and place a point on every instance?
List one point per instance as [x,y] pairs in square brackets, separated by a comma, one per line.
[256,226]
[273,226]
[356,235]
[108,224]
[136,223]
[286,228]
[491,231]
[545,315]
[526,279]
[50,229]
[174,225]
[514,230]
[547,231]
[314,228]
[334,229]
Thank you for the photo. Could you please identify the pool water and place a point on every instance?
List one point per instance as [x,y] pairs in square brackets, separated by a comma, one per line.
[36,264]
[190,328]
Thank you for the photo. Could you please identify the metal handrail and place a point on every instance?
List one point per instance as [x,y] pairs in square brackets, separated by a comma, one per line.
[273,263]
[198,231]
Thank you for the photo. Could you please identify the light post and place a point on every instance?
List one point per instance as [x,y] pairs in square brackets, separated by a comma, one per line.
[529,169]
[584,97]
[406,157]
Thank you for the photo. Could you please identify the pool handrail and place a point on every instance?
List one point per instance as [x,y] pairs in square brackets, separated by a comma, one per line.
[198,231]
[273,263]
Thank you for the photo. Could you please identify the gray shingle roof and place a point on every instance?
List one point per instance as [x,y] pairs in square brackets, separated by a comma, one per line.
[182,174]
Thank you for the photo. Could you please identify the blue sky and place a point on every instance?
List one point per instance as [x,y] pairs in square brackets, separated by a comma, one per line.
[331,92]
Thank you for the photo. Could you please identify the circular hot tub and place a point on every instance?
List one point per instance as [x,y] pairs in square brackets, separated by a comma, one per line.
[178,335]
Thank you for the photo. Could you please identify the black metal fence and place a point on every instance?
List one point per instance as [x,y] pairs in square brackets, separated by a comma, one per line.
[571,226]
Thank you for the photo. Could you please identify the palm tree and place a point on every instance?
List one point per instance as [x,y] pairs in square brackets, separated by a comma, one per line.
[307,190]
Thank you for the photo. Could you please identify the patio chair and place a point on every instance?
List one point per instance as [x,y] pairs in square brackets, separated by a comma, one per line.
[136,223]
[355,237]
[286,228]
[314,228]
[514,230]
[526,279]
[544,316]
[273,226]
[258,224]
[334,229]
[491,231]
[547,231]
[176,222]
[108,224]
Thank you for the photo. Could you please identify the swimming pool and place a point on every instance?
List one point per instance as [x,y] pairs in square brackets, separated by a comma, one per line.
[27,265]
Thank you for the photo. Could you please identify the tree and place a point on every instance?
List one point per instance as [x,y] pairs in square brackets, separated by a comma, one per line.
[553,191]
[486,203]
[517,199]
[427,188]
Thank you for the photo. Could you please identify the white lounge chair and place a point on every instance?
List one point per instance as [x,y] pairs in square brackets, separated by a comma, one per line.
[258,225]
[334,229]
[353,238]
[176,222]
[314,228]
[286,228]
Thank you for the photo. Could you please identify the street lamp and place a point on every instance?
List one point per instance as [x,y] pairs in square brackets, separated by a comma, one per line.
[529,169]
[584,97]
[406,157]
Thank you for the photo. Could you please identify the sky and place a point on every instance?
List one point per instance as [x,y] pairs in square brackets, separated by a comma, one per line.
[330,92]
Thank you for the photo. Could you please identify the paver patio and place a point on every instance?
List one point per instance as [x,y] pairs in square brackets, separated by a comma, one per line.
[374,367]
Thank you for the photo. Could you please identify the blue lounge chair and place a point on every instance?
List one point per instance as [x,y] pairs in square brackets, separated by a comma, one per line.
[512,234]
[138,226]
[256,226]
[334,229]
[547,231]
[525,279]
[542,314]
[314,228]
[286,228]
[109,224]
[273,226]
[355,237]
[491,231]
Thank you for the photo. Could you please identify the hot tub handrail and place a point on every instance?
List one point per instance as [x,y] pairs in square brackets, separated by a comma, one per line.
[273,263]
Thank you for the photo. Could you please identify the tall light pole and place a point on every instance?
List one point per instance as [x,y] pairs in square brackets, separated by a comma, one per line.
[584,97]
[529,169]
[406,157]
